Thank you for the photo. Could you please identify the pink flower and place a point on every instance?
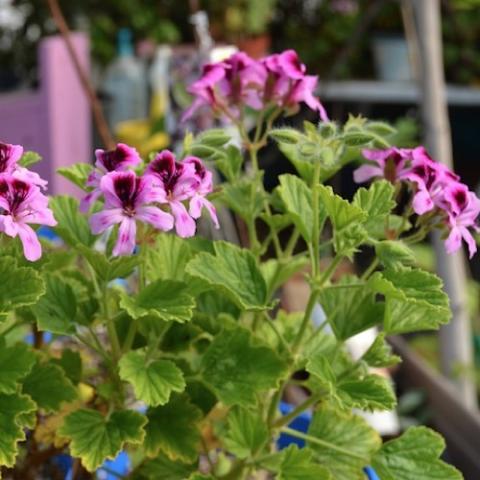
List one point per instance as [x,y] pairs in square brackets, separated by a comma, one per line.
[203,188]
[468,207]
[126,200]
[287,85]
[177,182]
[117,160]
[391,164]
[9,156]
[278,79]
[22,203]
[225,86]
[174,183]
[431,178]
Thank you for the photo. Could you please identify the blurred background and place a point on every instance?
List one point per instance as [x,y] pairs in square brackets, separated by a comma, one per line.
[126,81]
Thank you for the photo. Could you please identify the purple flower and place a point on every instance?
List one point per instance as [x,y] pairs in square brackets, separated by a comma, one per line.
[278,79]
[431,178]
[117,160]
[9,156]
[174,182]
[22,203]
[126,200]
[287,85]
[467,206]
[225,86]
[391,164]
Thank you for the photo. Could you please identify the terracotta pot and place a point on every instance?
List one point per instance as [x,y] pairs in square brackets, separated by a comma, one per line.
[256,47]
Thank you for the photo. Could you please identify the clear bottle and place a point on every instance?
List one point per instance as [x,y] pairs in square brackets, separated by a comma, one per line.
[125,84]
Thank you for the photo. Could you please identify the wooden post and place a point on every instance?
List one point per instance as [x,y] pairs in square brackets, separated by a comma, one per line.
[456,337]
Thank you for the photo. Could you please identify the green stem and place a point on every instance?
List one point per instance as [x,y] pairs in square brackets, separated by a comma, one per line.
[370,269]
[292,243]
[277,332]
[316,221]
[318,441]
[286,419]
[312,300]
[112,332]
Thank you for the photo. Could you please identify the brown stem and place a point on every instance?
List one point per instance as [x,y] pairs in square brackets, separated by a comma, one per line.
[98,116]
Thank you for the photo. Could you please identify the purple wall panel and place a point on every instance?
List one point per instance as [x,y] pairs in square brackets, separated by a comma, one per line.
[55,119]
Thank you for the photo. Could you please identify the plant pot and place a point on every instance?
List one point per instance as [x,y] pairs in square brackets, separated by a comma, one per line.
[256,47]
[391,58]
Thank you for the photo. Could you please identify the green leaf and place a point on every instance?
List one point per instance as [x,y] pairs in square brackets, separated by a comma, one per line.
[377,200]
[367,392]
[380,354]
[172,429]
[72,225]
[214,137]
[95,438]
[71,363]
[381,128]
[29,158]
[57,309]
[350,307]
[162,467]
[393,254]
[246,433]
[348,442]
[299,464]
[286,135]
[414,455]
[230,164]
[346,219]
[168,258]
[152,381]
[357,139]
[21,286]
[414,299]
[165,299]
[14,409]
[238,197]
[237,369]
[297,198]
[372,392]
[109,269]
[77,173]
[48,386]
[277,272]
[15,363]
[234,271]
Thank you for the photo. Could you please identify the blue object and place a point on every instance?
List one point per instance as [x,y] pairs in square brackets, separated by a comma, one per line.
[48,234]
[371,475]
[301,423]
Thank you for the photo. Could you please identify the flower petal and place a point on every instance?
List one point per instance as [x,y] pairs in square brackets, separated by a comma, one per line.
[31,245]
[100,221]
[422,202]
[155,217]
[454,240]
[126,237]
[89,199]
[196,205]
[184,224]
[366,172]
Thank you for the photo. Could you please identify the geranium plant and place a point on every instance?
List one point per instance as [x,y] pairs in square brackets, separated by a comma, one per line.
[174,348]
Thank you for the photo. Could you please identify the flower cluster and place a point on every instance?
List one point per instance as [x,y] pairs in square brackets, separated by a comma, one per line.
[437,190]
[279,80]
[21,201]
[157,197]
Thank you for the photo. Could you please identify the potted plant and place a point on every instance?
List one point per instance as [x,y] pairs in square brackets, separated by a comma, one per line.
[172,347]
